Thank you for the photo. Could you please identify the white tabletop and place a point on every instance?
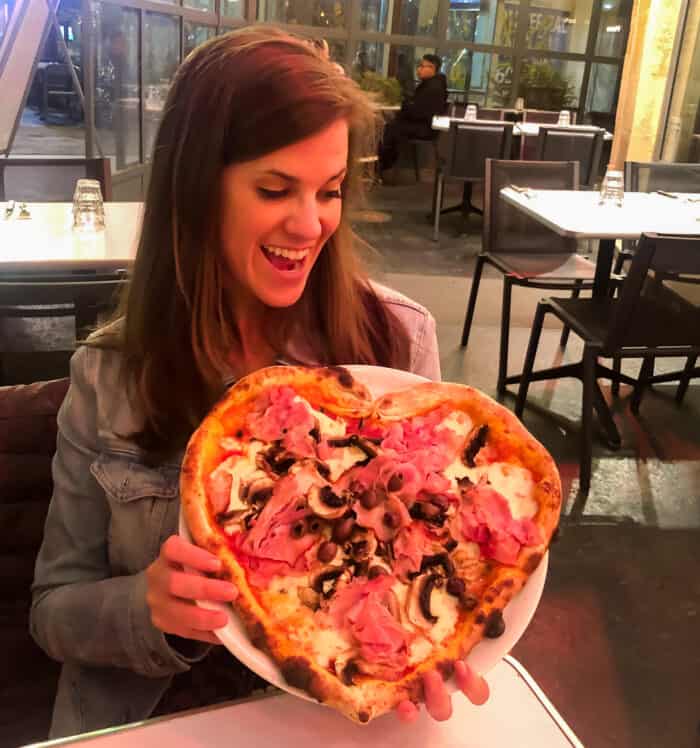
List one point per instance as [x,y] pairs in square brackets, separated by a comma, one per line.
[47,240]
[527,129]
[577,213]
[516,714]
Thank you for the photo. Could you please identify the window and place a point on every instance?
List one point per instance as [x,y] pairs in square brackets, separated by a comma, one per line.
[602,88]
[117,92]
[402,63]
[551,84]
[411,17]
[487,79]
[200,4]
[613,28]
[484,23]
[232,8]
[559,25]
[304,12]
[195,34]
[161,57]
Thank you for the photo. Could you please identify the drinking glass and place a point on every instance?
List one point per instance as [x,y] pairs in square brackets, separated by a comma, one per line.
[612,190]
[88,209]
[470,113]
[564,118]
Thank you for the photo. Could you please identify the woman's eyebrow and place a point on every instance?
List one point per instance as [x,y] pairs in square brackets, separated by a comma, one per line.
[293,179]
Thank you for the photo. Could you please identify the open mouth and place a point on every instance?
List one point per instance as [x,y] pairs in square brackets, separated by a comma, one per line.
[285,259]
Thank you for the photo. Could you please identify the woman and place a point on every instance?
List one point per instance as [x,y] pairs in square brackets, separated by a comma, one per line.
[245,260]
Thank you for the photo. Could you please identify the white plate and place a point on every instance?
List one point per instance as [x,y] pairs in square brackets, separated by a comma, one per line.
[488,653]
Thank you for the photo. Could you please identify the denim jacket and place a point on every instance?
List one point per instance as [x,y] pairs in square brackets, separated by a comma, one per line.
[108,517]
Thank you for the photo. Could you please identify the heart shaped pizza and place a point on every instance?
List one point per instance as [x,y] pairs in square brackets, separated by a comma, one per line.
[370,540]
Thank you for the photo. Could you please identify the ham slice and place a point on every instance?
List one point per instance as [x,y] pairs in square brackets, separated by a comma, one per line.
[280,415]
[486,519]
[375,519]
[410,545]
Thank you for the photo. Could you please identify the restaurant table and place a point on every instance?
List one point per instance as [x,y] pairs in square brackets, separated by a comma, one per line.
[516,714]
[47,242]
[578,214]
[525,129]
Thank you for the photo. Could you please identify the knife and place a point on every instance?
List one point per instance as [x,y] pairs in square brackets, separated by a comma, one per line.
[666,194]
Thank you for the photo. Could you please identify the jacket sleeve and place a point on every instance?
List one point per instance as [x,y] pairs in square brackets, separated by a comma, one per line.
[79,613]
[425,357]
[428,101]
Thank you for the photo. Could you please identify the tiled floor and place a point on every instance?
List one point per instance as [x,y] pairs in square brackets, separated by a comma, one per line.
[615,642]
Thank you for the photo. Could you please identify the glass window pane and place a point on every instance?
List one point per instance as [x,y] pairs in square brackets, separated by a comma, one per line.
[415,17]
[196,34]
[160,60]
[559,25]
[601,99]
[232,8]
[337,48]
[484,23]
[402,62]
[551,84]
[316,13]
[487,79]
[117,91]
[614,25]
[199,4]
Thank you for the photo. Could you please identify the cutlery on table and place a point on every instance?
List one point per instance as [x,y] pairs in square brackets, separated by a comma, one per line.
[666,194]
[524,191]
[9,209]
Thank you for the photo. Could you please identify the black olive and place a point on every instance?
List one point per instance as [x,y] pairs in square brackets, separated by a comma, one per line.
[424,597]
[476,442]
[376,571]
[391,520]
[331,499]
[395,482]
[327,551]
[299,528]
[495,625]
[349,672]
[239,434]
[450,545]
[369,499]
[342,529]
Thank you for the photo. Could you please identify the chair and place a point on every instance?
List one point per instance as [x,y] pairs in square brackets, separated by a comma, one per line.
[564,144]
[637,324]
[466,148]
[487,113]
[524,250]
[83,296]
[541,116]
[51,179]
[457,109]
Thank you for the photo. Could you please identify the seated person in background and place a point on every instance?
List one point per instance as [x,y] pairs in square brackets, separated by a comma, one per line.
[414,119]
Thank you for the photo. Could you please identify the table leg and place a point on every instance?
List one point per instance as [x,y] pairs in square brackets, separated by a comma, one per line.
[601,282]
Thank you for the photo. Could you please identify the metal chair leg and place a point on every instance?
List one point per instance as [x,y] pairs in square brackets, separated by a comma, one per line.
[685,381]
[471,305]
[586,456]
[617,368]
[438,205]
[575,293]
[542,309]
[505,332]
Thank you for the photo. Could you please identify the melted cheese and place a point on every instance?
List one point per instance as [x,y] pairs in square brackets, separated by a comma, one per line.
[458,422]
[348,456]
[327,427]
[242,470]
[513,482]
[445,607]
[286,595]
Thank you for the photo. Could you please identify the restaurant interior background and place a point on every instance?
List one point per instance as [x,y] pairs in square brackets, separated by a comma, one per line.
[555,54]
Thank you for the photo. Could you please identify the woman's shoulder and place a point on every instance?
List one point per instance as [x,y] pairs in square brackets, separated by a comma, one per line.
[412,314]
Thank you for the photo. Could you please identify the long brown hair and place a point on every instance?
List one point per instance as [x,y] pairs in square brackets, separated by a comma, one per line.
[236,98]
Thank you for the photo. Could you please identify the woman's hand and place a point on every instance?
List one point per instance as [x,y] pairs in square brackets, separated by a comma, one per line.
[437,701]
[171,592]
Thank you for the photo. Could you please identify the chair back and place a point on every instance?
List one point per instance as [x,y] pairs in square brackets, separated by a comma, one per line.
[51,180]
[468,146]
[507,229]
[647,177]
[457,109]
[490,113]
[675,258]
[564,144]
[541,116]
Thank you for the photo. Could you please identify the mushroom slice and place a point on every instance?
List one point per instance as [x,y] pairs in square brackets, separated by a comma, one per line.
[418,600]
[475,441]
[324,502]
[325,582]
[362,545]
[258,490]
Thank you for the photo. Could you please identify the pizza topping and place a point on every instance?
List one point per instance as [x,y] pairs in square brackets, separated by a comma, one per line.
[486,519]
[385,519]
[327,551]
[495,625]
[475,441]
[324,582]
[308,597]
[324,502]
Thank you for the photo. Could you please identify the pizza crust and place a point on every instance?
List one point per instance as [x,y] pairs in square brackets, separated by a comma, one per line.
[335,390]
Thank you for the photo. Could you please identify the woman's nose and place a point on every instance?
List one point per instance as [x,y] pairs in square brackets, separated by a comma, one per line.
[305,221]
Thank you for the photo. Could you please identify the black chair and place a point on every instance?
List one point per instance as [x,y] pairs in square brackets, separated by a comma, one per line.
[542,116]
[640,323]
[457,109]
[565,144]
[524,250]
[51,180]
[465,150]
[490,113]
[85,296]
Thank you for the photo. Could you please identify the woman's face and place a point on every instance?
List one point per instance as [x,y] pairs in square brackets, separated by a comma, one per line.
[278,212]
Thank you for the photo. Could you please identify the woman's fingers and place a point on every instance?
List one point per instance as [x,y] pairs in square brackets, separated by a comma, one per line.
[179,617]
[407,711]
[437,699]
[192,587]
[176,550]
[473,686]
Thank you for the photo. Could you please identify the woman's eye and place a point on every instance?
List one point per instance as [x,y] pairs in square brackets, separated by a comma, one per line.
[332,194]
[272,194]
